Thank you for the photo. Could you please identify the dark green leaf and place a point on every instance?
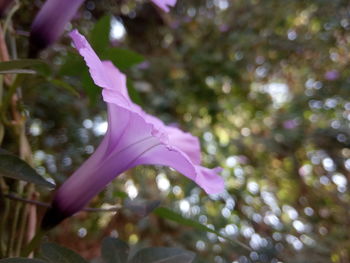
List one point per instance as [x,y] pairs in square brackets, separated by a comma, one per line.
[91,89]
[122,58]
[99,37]
[13,167]
[21,260]
[141,208]
[73,65]
[57,254]
[163,255]
[66,86]
[173,216]
[20,64]
[114,250]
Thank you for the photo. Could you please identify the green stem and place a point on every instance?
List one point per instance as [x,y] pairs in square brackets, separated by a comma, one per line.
[13,45]
[1,87]
[3,226]
[3,208]
[15,221]
[7,98]
[15,84]
[34,243]
[2,128]
[24,220]
[3,223]
[10,15]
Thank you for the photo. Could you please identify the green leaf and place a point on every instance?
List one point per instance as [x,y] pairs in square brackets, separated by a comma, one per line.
[163,255]
[99,37]
[20,64]
[57,254]
[89,86]
[18,71]
[173,216]
[21,260]
[114,250]
[122,58]
[141,209]
[13,167]
[73,65]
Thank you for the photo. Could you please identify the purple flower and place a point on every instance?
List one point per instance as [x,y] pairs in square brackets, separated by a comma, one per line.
[49,23]
[133,138]
[164,4]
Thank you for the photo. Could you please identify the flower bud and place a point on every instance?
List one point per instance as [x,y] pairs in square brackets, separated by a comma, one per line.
[50,22]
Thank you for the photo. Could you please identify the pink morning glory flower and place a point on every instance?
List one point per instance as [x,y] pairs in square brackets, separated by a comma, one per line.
[133,138]
[164,4]
[49,23]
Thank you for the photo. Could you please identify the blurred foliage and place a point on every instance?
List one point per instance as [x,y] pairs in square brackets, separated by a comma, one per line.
[264,84]
[113,250]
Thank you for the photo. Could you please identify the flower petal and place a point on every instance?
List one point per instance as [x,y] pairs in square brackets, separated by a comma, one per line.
[113,82]
[181,151]
[164,4]
[85,183]
[186,142]
[97,69]
[118,79]
[208,179]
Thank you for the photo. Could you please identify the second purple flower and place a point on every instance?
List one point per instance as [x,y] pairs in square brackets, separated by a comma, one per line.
[49,23]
